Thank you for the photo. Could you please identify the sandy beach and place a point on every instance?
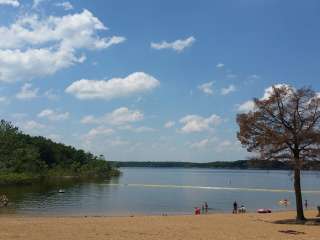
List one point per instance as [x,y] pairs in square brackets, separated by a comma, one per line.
[213,226]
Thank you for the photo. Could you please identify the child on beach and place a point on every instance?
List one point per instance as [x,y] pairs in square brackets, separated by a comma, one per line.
[206,207]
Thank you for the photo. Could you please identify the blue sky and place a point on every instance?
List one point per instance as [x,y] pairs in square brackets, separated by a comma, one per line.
[150,80]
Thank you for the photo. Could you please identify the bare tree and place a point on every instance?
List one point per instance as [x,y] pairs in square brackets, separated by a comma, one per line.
[284,126]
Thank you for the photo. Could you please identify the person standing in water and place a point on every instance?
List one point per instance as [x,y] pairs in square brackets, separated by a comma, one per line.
[206,207]
[235,207]
[306,204]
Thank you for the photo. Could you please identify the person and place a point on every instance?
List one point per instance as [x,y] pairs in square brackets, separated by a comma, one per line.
[206,207]
[4,201]
[197,211]
[306,204]
[242,209]
[202,208]
[235,207]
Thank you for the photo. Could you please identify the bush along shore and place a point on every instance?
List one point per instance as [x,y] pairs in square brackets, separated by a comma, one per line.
[25,159]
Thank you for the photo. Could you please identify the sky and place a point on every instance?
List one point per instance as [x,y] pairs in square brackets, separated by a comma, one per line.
[150,80]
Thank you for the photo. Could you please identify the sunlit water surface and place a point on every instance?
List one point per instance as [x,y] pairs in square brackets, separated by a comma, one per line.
[162,190]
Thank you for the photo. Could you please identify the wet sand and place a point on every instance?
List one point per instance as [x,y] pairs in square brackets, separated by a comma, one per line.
[214,226]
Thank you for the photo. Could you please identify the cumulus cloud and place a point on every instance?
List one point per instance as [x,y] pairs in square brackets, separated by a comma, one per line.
[13,3]
[225,91]
[25,65]
[120,116]
[195,123]
[98,131]
[3,99]
[53,115]
[141,129]
[268,91]
[250,105]
[200,144]
[206,88]
[35,47]
[178,45]
[65,5]
[246,106]
[169,124]
[27,92]
[220,65]
[135,83]
[51,94]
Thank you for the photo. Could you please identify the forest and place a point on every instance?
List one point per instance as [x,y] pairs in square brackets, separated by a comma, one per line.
[25,159]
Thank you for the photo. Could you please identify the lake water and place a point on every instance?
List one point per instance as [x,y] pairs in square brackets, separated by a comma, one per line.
[161,190]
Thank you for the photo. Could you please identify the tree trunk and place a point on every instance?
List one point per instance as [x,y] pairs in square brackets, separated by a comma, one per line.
[297,189]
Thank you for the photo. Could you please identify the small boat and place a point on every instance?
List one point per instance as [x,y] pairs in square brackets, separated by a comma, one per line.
[264,210]
[61,191]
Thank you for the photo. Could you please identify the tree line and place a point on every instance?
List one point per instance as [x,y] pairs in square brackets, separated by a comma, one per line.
[26,158]
[240,164]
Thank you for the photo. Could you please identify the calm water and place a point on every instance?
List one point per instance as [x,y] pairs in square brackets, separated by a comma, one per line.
[156,191]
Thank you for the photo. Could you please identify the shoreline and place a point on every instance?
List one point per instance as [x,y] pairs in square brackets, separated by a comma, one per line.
[222,226]
[138,214]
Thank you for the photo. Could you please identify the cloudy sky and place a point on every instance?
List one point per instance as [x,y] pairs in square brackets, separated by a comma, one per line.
[145,80]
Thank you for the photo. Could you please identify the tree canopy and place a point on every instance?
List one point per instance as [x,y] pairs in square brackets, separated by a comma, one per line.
[25,155]
[284,125]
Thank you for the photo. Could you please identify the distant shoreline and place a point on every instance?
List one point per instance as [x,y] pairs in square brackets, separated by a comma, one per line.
[231,165]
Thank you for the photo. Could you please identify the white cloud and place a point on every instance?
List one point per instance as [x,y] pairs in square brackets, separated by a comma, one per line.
[178,45]
[51,94]
[35,47]
[220,65]
[137,129]
[268,91]
[225,91]
[200,144]
[27,92]
[206,88]
[32,126]
[250,105]
[18,65]
[53,115]
[36,3]
[120,116]
[169,124]
[195,123]
[13,3]
[254,76]
[65,5]
[3,99]
[135,83]
[118,142]
[98,131]
[246,106]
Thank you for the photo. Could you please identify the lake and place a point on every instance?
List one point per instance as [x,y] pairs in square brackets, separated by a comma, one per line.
[162,190]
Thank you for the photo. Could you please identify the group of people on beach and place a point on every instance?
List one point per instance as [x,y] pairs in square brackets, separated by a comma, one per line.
[204,209]
[4,201]
[237,209]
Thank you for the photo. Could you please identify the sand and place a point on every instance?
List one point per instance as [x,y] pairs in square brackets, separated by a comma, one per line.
[214,226]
